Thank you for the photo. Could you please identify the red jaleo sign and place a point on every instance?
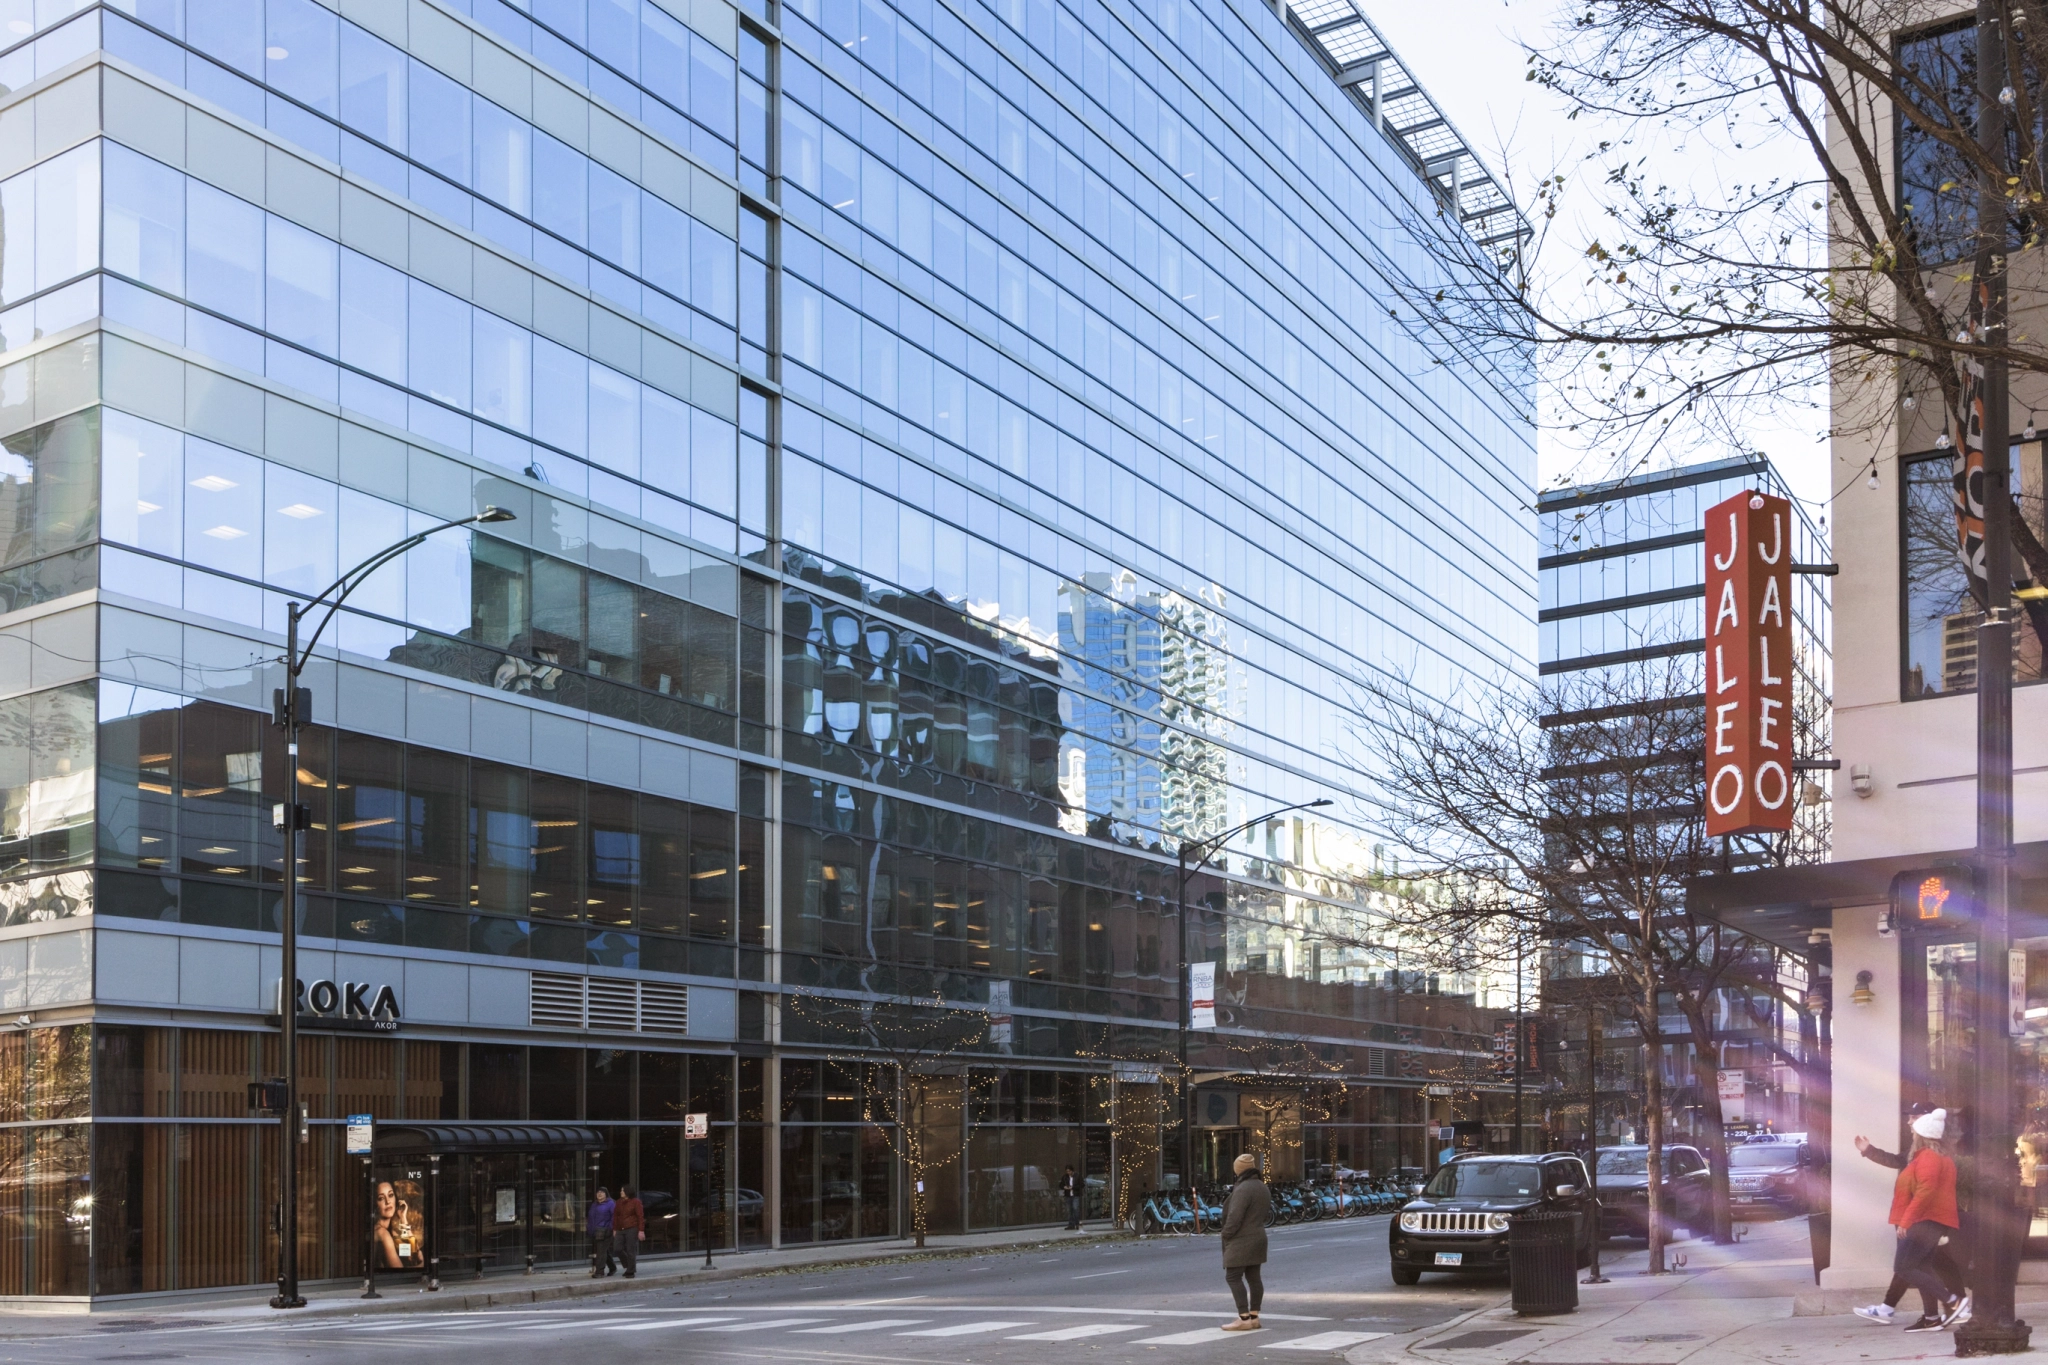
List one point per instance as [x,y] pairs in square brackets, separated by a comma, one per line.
[1749,665]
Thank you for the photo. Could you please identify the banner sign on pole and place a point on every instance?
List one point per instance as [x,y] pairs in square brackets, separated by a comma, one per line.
[999,1014]
[1201,995]
[2016,989]
[1749,665]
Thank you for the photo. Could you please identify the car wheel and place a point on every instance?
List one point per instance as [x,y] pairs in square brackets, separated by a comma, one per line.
[1407,1275]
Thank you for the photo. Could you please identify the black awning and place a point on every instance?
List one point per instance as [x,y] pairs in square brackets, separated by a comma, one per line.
[472,1139]
[1784,905]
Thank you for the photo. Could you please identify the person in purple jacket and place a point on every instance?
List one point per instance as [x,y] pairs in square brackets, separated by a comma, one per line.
[600,1227]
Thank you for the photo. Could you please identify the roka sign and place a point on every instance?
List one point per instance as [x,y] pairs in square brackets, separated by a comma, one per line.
[1749,665]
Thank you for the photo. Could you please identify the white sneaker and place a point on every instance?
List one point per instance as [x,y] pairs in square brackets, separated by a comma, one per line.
[1879,1313]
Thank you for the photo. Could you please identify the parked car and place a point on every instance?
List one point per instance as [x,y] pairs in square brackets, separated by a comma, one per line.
[1624,1179]
[1773,1172]
[1459,1223]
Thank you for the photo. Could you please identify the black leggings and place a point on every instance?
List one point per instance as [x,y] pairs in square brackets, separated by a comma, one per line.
[1240,1277]
[1945,1269]
[1913,1265]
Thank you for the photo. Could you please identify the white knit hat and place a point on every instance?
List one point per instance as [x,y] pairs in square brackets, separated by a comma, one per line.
[1932,1124]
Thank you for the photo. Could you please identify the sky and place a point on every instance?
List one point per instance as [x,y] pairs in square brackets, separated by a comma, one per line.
[1469,55]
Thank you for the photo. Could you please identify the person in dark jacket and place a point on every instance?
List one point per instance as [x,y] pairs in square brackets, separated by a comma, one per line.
[1070,1190]
[1244,1242]
[629,1229]
[600,1228]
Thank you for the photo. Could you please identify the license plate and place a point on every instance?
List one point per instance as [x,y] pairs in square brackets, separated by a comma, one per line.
[1450,1258]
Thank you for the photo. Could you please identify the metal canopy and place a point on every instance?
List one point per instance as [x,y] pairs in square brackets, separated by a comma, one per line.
[484,1139]
[1362,63]
[1785,905]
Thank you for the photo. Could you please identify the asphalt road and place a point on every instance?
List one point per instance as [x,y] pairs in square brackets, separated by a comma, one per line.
[1327,1289]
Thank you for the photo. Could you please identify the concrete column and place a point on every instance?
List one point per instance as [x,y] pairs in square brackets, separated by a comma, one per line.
[1865,1094]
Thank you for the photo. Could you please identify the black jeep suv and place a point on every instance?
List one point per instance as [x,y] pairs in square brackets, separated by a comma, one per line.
[1459,1223]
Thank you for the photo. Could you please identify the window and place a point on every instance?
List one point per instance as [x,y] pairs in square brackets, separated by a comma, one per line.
[1937,186]
[1940,626]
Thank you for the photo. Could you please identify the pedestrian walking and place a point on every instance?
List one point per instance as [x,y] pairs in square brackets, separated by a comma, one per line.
[1924,1212]
[1244,1241]
[1942,1263]
[629,1228]
[600,1227]
[1070,1190]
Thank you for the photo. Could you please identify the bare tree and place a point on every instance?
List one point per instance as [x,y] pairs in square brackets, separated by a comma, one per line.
[1659,298]
[1140,1091]
[913,1057]
[1573,810]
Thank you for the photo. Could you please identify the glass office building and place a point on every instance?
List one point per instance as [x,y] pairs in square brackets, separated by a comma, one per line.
[1623,581]
[959,452]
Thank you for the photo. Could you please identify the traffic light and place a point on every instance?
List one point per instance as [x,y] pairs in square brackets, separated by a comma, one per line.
[1931,899]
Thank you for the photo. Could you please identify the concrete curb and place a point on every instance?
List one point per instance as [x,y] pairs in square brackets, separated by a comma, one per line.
[339,1298]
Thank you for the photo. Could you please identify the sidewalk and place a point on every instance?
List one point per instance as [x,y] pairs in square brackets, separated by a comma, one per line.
[1730,1305]
[467,1293]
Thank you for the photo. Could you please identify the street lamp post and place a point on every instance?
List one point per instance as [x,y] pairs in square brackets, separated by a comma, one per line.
[289,707]
[1207,849]
[1994,1328]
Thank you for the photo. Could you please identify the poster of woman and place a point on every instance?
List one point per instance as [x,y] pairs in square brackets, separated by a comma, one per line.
[397,1234]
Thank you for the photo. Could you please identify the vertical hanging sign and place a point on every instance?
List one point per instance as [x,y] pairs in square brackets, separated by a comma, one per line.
[1749,665]
[1201,995]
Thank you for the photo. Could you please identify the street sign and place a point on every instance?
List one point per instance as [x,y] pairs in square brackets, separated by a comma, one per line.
[696,1126]
[362,1132]
[1733,1089]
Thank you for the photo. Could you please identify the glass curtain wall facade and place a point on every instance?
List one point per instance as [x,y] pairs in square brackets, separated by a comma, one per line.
[960,452]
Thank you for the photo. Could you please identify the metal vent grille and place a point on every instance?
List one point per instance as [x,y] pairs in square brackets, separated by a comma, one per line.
[557,1001]
[608,1004]
[664,1008]
[613,1005]
[1375,1061]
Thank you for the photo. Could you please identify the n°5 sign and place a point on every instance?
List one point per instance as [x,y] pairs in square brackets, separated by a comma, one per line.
[1749,665]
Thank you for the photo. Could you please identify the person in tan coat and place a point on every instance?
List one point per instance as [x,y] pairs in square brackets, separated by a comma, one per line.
[1244,1241]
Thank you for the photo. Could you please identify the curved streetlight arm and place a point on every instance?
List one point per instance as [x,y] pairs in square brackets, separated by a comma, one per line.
[1211,846]
[290,817]
[356,577]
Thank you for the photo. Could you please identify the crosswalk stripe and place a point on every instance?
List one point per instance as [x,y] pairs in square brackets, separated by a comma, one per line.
[665,1322]
[964,1329]
[1324,1341]
[875,1326]
[760,1326]
[1093,1329]
[1187,1338]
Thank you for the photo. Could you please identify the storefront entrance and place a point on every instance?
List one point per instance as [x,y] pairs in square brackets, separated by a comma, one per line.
[476,1198]
[1939,983]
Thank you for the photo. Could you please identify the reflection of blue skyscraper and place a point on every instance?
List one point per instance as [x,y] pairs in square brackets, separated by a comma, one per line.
[1144,765]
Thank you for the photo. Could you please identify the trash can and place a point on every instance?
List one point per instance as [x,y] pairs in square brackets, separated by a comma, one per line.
[1543,1263]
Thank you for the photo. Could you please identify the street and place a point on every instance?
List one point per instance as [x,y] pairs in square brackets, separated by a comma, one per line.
[1327,1291]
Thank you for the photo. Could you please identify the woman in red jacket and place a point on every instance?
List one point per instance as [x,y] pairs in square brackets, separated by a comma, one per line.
[1924,1212]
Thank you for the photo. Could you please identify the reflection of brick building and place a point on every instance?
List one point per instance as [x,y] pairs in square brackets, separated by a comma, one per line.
[1959,651]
